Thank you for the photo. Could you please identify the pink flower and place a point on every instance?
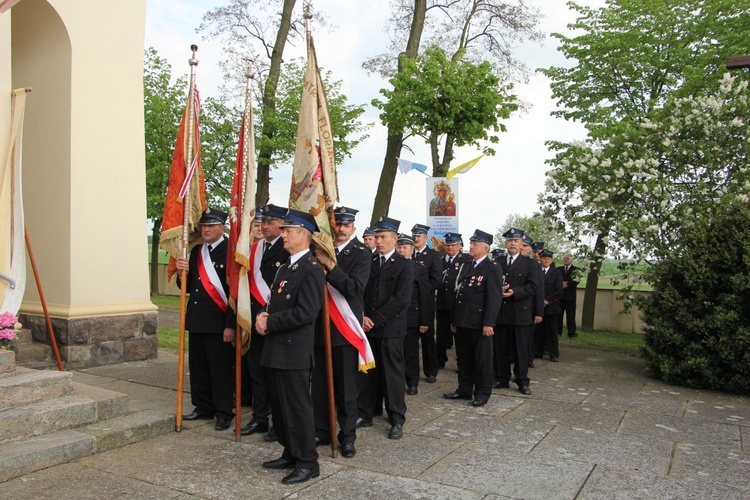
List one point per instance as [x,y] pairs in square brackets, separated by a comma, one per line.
[7,320]
[7,334]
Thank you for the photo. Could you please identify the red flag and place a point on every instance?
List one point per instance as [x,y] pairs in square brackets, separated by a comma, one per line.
[182,176]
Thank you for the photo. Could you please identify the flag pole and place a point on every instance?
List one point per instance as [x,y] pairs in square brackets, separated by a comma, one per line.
[193,62]
[325,309]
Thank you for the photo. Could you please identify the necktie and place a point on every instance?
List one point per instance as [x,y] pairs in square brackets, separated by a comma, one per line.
[382,261]
[545,271]
[210,248]
[336,250]
[472,266]
[510,261]
[266,246]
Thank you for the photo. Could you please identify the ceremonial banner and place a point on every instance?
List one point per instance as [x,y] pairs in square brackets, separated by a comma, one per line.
[442,209]
[463,168]
[182,176]
[13,251]
[406,166]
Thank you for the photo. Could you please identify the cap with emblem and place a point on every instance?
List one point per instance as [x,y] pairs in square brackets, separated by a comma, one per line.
[498,252]
[368,232]
[405,239]
[537,245]
[452,238]
[345,215]
[419,229]
[480,235]
[272,212]
[513,234]
[527,240]
[212,217]
[296,218]
[546,253]
[385,223]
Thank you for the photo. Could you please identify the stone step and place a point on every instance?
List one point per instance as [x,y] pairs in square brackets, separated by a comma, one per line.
[33,352]
[47,364]
[29,386]
[45,417]
[24,336]
[24,457]
[110,404]
[128,429]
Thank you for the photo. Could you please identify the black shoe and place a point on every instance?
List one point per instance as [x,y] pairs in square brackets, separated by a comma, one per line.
[252,428]
[321,442]
[524,389]
[279,463]
[554,359]
[455,395]
[479,402]
[396,432]
[300,476]
[531,364]
[431,379]
[198,416]
[361,422]
[573,336]
[412,391]
[222,424]
[501,385]
[270,436]
[347,450]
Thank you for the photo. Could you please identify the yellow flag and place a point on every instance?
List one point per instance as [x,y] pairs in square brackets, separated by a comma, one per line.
[464,167]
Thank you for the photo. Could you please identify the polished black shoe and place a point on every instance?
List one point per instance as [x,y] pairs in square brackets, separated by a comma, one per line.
[554,359]
[300,476]
[524,389]
[411,391]
[279,463]
[455,395]
[347,450]
[396,432]
[222,424]
[573,336]
[321,442]
[501,385]
[252,428]
[270,436]
[531,364]
[198,416]
[431,379]
[361,422]
[479,402]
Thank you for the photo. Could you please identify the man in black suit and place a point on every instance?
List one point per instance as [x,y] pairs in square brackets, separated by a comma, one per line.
[552,292]
[474,315]
[387,297]
[348,275]
[288,323]
[517,313]
[531,249]
[368,238]
[431,260]
[211,323]
[418,316]
[568,298]
[446,293]
[267,255]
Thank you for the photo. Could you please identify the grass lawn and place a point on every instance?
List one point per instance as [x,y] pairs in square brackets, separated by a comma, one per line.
[166,301]
[611,341]
[169,338]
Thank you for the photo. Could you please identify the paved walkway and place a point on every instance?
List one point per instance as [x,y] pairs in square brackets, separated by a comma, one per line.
[595,427]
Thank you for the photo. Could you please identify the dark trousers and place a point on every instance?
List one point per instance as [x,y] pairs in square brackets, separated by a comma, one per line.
[247,391]
[258,383]
[512,339]
[549,338]
[293,420]
[569,310]
[474,354]
[411,357]
[388,376]
[534,331]
[429,351]
[345,369]
[444,336]
[211,362]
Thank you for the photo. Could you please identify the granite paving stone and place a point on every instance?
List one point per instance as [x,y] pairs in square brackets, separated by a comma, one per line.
[681,430]
[582,415]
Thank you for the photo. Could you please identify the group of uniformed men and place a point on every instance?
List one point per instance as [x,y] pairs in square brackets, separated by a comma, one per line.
[395,286]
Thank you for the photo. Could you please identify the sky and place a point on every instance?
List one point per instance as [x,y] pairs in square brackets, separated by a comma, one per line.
[507,183]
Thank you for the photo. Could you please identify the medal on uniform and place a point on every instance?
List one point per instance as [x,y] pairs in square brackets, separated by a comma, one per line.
[278,264]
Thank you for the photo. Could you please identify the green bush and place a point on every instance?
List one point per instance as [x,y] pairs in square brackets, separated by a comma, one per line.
[699,311]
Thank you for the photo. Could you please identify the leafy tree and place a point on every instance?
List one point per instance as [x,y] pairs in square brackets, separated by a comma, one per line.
[448,101]
[699,334]
[633,61]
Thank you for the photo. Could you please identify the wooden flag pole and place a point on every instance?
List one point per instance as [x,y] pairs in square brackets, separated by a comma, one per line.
[329,373]
[193,62]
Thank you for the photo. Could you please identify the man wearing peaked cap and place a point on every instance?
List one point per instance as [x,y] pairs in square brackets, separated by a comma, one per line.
[348,274]
[446,293]
[546,334]
[431,260]
[497,253]
[537,247]
[387,298]
[211,324]
[266,256]
[474,314]
[368,238]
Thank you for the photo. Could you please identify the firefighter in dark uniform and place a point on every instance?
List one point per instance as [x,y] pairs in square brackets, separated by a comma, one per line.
[553,288]
[431,260]
[446,293]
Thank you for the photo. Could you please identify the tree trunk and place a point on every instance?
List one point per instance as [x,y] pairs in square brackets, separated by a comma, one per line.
[592,284]
[396,141]
[155,238]
[265,151]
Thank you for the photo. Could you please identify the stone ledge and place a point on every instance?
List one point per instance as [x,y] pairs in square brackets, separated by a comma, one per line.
[129,429]
[33,454]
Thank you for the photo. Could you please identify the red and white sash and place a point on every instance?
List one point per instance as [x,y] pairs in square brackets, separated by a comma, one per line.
[349,326]
[258,287]
[210,279]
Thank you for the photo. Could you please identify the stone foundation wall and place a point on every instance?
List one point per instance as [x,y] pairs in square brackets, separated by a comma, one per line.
[100,340]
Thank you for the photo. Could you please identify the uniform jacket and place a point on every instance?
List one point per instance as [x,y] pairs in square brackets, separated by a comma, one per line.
[421,306]
[446,291]
[349,277]
[539,299]
[388,295]
[296,300]
[570,292]
[552,291]
[431,260]
[272,260]
[203,315]
[523,278]
[478,298]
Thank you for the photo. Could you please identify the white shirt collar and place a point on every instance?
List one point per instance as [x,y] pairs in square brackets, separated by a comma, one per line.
[297,256]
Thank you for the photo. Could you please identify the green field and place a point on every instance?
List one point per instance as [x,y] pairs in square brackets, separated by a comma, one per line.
[611,341]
